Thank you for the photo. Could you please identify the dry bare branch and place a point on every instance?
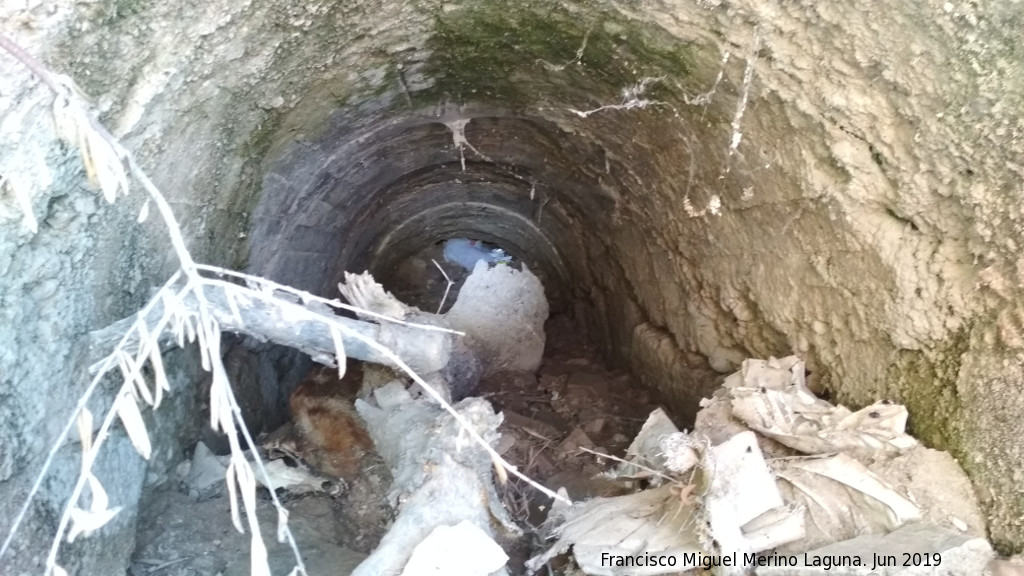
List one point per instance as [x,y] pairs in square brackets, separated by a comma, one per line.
[108,165]
[446,288]
[269,287]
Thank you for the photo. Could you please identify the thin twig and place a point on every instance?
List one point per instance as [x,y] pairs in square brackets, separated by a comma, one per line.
[88,458]
[187,267]
[535,454]
[29,61]
[169,563]
[106,365]
[661,475]
[334,303]
[397,361]
[207,331]
[535,434]
[447,288]
[266,475]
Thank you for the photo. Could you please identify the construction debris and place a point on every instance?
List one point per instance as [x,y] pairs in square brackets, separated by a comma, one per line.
[467,253]
[817,502]
[771,397]
[363,292]
[646,451]
[441,477]
[502,311]
[652,523]
[842,498]
[205,476]
[772,481]
[740,489]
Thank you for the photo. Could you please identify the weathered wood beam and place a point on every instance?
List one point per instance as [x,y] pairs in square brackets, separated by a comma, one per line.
[282,319]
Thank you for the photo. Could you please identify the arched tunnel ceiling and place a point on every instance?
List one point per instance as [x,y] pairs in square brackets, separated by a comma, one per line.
[697,198]
[701,180]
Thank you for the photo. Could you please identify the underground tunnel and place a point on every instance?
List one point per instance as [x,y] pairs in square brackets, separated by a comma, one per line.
[693,183]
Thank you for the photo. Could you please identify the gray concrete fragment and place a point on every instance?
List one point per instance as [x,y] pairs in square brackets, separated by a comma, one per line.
[206,475]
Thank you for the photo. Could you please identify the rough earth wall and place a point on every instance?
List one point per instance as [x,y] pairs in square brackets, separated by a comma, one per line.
[720,179]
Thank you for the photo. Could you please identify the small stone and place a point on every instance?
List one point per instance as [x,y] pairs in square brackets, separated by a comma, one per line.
[271,103]
[182,469]
[594,427]
[574,441]
[505,443]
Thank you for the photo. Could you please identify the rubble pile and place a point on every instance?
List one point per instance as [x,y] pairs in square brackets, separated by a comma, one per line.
[775,481]
[772,480]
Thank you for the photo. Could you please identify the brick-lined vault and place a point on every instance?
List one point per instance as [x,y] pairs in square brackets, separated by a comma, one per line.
[697,181]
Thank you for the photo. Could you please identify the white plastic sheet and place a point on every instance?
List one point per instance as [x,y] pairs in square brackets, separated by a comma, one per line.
[467,253]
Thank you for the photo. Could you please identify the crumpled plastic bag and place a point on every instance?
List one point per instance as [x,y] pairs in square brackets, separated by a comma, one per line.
[842,499]
[467,253]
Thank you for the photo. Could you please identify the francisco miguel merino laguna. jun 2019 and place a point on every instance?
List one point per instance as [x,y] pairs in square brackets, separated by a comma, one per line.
[824,561]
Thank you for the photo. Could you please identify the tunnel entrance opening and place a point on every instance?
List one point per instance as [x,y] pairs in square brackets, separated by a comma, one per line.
[431,278]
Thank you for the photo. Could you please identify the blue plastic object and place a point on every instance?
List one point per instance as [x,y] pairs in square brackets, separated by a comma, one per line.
[467,253]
